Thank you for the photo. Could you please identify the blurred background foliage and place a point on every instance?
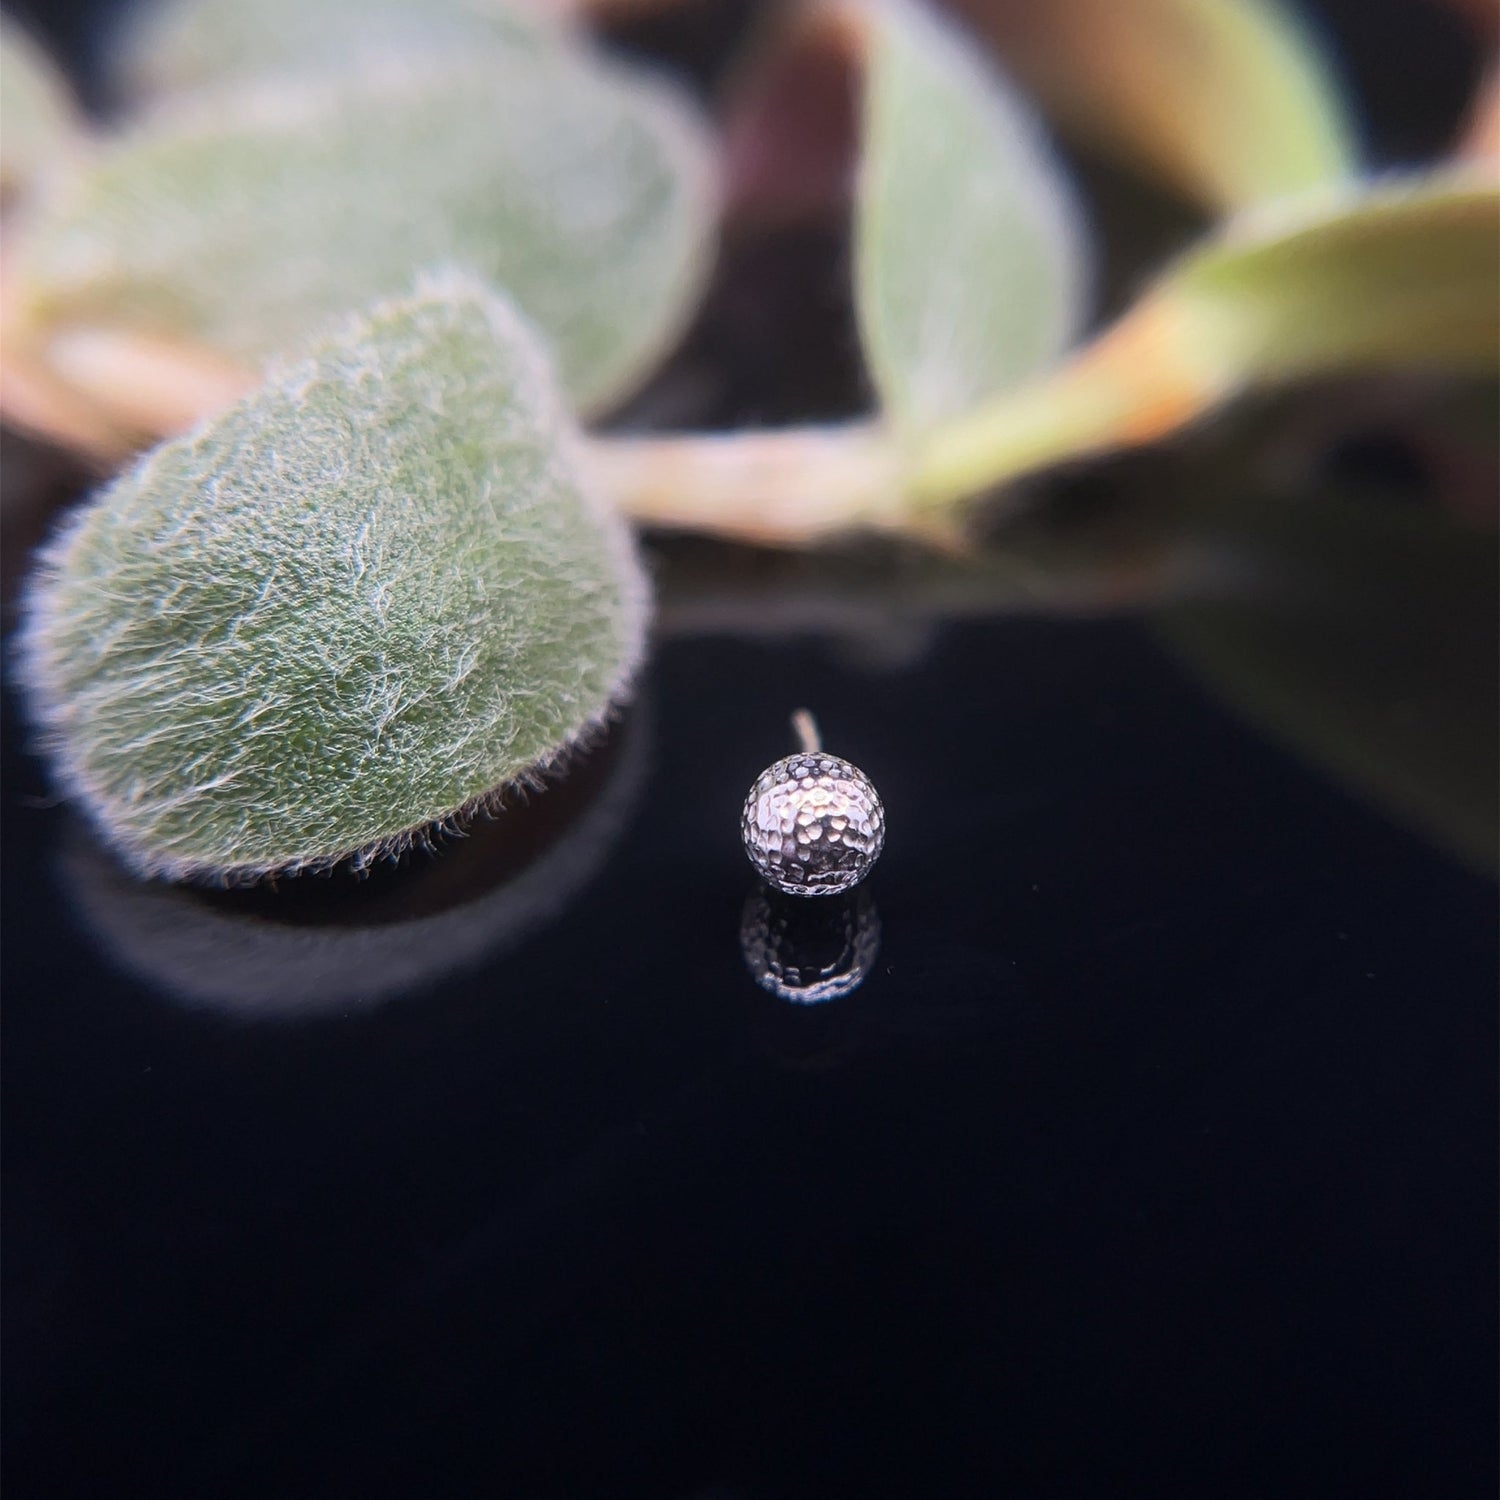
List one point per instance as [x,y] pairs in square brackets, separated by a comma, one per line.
[1322,556]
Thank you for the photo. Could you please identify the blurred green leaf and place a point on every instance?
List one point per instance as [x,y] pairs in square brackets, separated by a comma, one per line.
[1230,101]
[355,604]
[1401,274]
[1398,273]
[969,264]
[1363,636]
[175,46]
[38,119]
[583,188]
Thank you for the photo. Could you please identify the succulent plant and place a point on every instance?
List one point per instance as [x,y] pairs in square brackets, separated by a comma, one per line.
[375,571]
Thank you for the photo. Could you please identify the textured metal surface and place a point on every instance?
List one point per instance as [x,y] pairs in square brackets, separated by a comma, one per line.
[809,952]
[813,825]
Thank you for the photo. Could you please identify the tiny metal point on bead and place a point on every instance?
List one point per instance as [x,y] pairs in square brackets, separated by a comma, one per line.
[805,727]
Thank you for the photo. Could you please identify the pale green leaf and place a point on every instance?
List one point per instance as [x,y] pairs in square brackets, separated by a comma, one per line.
[174,46]
[969,265]
[38,120]
[1399,274]
[351,607]
[1230,101]
[1390,273]
[581,187]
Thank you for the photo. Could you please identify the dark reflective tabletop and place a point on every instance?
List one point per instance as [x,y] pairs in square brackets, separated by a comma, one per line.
[1161,1123]
[1131,1131]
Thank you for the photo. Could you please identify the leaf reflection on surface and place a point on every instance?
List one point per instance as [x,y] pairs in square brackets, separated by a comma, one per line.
[1368,646]
[315,947]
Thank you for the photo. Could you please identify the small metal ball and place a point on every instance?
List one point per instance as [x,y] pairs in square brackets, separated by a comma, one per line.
[813,824]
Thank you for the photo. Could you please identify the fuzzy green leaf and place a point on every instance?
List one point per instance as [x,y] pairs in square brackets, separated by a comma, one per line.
[252,961]
[968,253]
[37,117]
[174,46]
[352,606]
[582,188]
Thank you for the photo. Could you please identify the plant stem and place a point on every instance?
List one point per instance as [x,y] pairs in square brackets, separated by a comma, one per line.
[805,727]
[782,488]
[1136,383]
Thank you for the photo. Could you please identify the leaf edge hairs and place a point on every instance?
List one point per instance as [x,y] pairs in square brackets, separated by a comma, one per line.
[210,735]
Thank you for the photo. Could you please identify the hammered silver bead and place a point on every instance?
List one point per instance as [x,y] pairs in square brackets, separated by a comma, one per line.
[813,824]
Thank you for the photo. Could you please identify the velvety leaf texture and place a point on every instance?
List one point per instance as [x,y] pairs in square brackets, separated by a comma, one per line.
[172,46]
[581,187]
[969,268]
[349,608]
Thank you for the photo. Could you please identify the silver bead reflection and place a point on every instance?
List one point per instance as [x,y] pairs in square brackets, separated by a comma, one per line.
[809,954]
[813,824]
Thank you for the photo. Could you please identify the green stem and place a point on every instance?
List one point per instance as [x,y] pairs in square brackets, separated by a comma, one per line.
[1135,384]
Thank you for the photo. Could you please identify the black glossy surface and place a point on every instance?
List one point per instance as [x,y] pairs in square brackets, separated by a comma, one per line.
[1158,1145]
[1156,1156]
